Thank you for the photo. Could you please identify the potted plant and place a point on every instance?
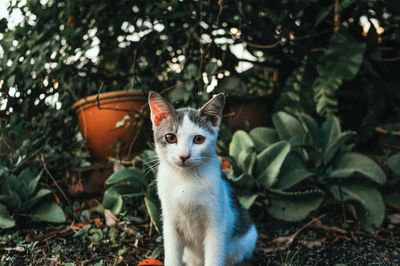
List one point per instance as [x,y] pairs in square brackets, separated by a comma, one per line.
[112,123]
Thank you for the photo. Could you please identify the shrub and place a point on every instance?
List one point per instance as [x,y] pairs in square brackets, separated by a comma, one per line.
[22,196]
[135,183]
[298,166]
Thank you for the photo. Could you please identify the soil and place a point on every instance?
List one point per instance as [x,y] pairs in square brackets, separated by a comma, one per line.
[317,244]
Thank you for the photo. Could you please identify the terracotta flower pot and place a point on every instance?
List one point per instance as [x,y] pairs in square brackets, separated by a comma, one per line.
[111,123]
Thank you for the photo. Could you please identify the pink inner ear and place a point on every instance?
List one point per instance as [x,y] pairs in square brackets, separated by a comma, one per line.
[158,118]
[158,114]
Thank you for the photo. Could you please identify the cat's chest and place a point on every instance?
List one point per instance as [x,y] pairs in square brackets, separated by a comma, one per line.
[189,194]
[186,191]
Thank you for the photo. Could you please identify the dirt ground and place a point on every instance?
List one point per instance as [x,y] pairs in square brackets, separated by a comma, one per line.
[312,243]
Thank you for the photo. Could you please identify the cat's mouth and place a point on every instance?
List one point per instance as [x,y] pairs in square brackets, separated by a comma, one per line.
[184,165]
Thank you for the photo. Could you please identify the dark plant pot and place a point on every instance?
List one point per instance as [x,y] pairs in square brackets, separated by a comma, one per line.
[88,181]
[243,112]
[112,123]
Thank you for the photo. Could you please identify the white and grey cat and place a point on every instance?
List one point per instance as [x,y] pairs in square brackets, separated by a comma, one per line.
[203,224]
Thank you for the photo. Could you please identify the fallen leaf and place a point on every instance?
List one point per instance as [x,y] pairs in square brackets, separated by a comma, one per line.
[394,218]
[16,249]
[150,262]
[111,219]
[313,243]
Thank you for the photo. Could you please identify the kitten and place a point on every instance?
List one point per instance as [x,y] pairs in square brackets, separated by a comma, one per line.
[202,223]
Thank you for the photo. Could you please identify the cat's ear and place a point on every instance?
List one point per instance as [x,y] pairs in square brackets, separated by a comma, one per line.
[159,107]
[212,109]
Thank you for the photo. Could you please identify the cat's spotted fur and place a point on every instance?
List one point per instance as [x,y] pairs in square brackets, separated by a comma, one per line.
[202,223]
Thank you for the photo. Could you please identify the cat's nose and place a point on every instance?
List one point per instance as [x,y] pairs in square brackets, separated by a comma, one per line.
[184,157]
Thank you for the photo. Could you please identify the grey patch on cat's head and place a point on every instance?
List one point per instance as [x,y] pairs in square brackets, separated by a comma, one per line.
[196,117]
[169,125]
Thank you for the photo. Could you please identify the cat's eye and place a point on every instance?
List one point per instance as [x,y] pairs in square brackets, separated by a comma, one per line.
[170,138]
[198,139]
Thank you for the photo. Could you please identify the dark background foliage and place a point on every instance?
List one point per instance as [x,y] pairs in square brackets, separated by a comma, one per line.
[64,50]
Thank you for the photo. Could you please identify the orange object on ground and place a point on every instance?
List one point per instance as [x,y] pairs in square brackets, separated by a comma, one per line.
[150,262]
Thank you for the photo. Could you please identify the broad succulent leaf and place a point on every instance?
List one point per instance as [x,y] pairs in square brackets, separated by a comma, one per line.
[40,195]
[32,185]
[269,163]
[287,126]
[371,208]
[6,221]
[350,164]
[247,200]
[242,181]
[336,145]
[394,163]
[49,212]
[313,131]
[294,206]
[132,175]
[112,201]
[240,141]
[127,190]
[246,160]
[330,130]
[263,137]
[293,171]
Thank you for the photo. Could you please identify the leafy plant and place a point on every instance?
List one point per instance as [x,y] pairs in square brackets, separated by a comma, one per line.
[394,163]
[299,166]
[134,184]
[22,196]
[341,61]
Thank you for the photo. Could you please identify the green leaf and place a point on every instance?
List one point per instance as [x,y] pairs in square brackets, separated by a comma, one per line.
[153,212]
[340,62]
[233,86]
[333,148]
[242,181]
[113,202]
[6,221]
[32,185]
[41,194]
[127,190]
[326,11]
[293,206]
[292,172]
[211,68]
[247,200]
[126,175]
[314,132]
[287,126]
[240,141]
[394,163]
[152,206]
[246,161]
[49,212]
[263,137]
[11,81]
[350,164]
[14,201]
[371,209]
[269,163]
[330,130]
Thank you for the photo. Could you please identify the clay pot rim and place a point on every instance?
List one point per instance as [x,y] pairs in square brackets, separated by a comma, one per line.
[107,97]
